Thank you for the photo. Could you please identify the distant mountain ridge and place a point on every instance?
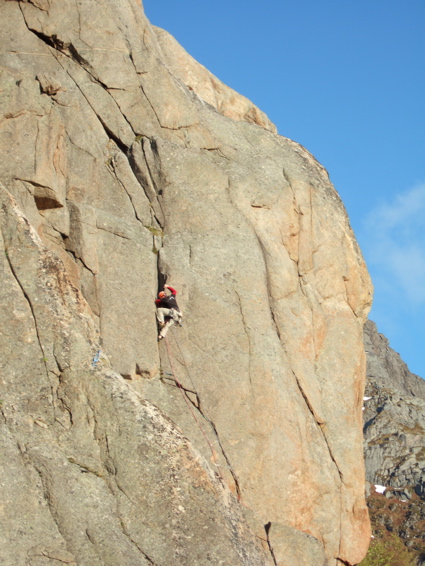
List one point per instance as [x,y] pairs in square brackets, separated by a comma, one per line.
[394,433]
[394,417]
[385,366]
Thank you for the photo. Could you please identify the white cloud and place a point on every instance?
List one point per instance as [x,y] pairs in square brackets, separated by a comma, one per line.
[405,208]
[395,243]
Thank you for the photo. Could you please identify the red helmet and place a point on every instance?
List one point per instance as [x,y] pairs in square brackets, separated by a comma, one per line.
[161,294]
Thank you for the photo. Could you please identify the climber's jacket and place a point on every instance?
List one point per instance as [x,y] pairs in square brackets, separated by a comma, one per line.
[168,301]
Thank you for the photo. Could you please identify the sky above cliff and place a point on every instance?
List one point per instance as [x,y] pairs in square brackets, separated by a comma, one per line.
[347,81]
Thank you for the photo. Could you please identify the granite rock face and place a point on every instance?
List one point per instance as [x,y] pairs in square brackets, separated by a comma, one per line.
[208,87]
[92,473]
[126,165]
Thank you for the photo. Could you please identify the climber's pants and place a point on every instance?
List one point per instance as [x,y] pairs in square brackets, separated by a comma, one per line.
[171,314]
[162,312]
[166,327]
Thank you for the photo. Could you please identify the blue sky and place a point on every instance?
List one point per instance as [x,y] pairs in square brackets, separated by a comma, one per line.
[347,81]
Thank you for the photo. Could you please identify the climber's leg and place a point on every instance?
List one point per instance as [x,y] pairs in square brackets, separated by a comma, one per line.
[164,331]
[161,313]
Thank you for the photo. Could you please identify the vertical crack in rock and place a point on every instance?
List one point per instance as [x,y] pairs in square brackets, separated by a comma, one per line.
[146,178]
[134,543]
[276,326]
[341,477]
[206,417]
[161,277]
[80,148]
[288,180]
[229,465]
[331,453]
[104,448]
[123,186]
[42,472]
[107,130]
[124,528]
[153,147]
[177,128]
[248,338]
[347,293]
[28,300]
[267,529]
[76,258]
[65,405]
[150,104]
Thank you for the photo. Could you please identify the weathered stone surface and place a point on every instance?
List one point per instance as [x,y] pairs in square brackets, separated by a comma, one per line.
[92,473]
[290,546]
[395,439]
[208,87]
[123,178]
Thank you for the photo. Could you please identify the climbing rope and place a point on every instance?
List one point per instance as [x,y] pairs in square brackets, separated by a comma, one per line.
[185,365]
[189,404]
[213,452]
[210,422]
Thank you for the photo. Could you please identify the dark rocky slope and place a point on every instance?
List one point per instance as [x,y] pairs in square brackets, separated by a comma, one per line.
[394,429]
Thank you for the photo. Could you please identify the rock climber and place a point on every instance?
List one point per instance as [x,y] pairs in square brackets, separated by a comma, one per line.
[167,311]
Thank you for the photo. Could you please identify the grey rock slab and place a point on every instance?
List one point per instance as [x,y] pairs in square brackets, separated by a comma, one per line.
[292,546]
[84,462]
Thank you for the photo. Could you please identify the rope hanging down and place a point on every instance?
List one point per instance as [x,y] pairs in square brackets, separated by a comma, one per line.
[189,404]
[213,452]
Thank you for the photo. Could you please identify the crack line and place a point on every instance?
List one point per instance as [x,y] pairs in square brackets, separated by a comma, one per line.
[211,423]
[267,529]
[30,306]
[248,337]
